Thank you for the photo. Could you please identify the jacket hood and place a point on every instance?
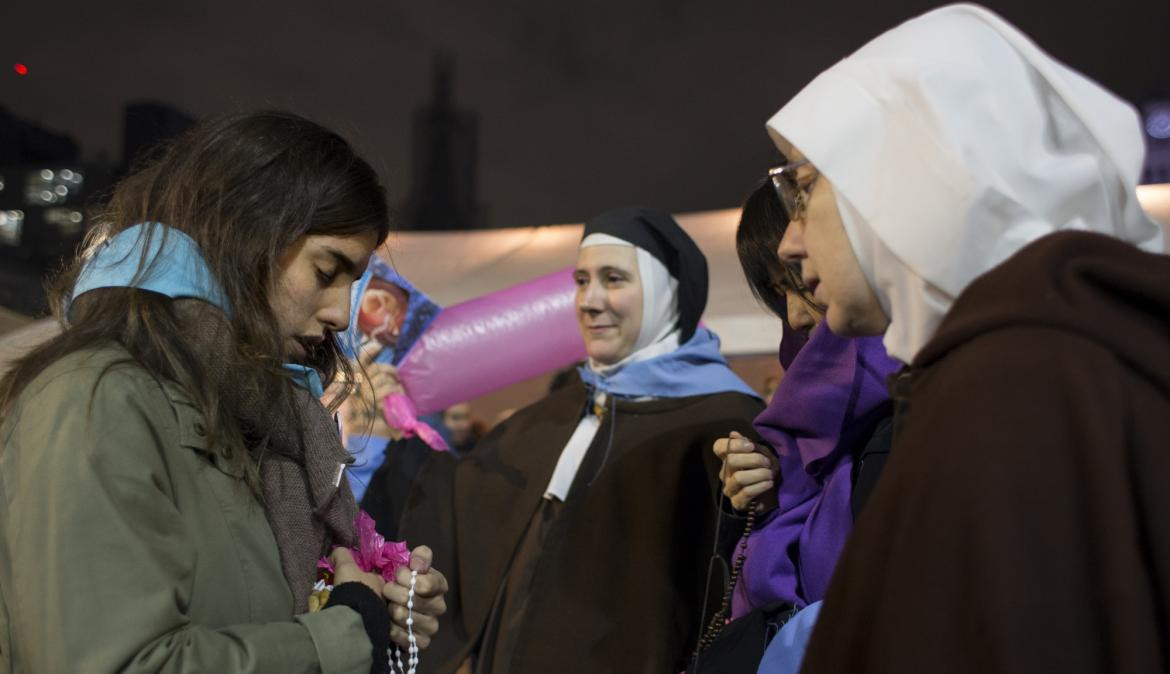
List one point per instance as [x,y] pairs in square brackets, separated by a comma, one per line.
[1091,285]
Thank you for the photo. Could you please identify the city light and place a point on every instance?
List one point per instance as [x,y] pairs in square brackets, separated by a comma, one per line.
[1158,123]
[66,220]
[11,224]
[47,187]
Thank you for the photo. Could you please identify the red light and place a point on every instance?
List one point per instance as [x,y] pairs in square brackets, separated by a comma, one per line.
[21,69]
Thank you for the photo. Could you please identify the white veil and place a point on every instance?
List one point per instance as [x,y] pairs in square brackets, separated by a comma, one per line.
[952,142]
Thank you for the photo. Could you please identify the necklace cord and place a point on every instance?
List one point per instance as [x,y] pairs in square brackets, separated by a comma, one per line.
[713,628]
[612,414]
[411,665]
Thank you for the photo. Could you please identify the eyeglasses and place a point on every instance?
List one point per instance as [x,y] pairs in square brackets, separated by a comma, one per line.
[792,196]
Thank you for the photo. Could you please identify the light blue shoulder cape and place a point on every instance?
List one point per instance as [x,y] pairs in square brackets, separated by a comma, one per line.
[694,368]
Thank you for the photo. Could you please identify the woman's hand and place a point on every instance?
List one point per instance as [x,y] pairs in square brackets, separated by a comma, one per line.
[429,604]
[748,472]
[345,570]
[383,381]
[362,412]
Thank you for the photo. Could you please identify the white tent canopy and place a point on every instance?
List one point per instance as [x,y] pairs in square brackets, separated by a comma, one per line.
[452,267]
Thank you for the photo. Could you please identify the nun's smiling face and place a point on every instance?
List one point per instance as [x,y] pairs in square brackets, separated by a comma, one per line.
[609,301]
[816,239]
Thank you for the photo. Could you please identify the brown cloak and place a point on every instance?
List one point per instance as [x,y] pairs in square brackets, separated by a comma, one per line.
[616,582]
[1022,523]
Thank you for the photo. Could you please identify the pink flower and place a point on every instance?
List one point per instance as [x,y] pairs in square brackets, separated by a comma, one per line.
[394,556]
[372,554]
[375,554]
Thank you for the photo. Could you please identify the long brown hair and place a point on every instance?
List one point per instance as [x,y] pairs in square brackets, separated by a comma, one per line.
[762,224]
[245,188]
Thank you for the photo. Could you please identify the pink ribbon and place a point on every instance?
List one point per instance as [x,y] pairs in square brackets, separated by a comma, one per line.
[402,414]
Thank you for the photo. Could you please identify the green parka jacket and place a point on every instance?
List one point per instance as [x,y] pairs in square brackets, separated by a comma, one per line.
[126,545]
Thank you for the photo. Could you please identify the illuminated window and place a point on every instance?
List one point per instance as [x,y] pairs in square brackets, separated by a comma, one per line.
[67,220]
[47,187]
[11,226]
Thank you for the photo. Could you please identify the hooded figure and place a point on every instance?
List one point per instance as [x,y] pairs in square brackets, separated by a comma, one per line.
[581,528]
[973,199]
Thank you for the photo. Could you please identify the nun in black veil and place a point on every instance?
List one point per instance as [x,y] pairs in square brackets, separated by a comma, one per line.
[578,532]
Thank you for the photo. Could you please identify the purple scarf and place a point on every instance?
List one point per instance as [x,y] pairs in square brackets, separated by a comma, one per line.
[830,398]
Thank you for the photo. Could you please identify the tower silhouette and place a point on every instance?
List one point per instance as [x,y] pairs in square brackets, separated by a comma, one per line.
[445,151]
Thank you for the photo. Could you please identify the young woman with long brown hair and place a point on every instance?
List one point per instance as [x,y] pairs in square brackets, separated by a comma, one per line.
[168,476]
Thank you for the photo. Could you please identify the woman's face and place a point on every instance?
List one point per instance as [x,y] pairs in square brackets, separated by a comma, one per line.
[310,295]
[609,301]
[457,419]
[829,268]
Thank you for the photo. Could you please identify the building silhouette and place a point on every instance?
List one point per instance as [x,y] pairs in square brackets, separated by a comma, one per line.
[445,154]
[23,142]
[48,195]
[145,125]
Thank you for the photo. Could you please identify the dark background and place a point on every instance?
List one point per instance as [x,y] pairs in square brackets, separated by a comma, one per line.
[579,106]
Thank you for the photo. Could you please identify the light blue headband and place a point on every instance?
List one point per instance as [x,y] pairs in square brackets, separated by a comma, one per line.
[175,270]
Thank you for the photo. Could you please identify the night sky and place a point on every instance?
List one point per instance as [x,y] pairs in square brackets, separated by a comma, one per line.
[582,106]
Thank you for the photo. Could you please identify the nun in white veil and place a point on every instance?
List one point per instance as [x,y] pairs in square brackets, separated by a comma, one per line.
[955,188]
